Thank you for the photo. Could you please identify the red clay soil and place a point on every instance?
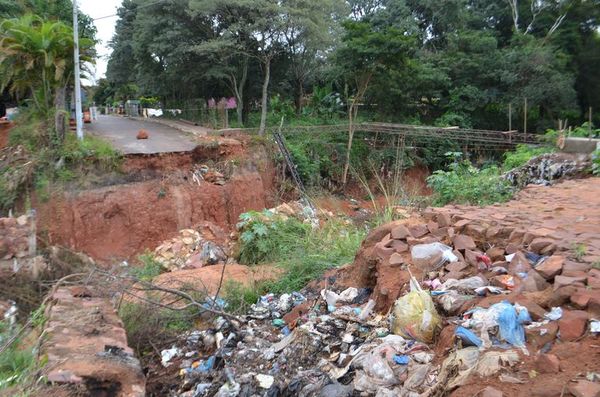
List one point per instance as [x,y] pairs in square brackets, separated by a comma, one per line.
[207,279]
[163,162]
[119,222]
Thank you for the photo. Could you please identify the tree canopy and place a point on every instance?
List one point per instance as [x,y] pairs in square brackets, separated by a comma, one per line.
[457,62]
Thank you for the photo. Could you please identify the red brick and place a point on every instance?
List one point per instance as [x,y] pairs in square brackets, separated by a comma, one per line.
[463,242]
[551,267]
[400,232]
[572,325]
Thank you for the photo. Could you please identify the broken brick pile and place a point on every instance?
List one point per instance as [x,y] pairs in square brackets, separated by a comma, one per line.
[14,237]
[555,242]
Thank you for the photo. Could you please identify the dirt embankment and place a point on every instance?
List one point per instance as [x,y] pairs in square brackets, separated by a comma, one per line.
[156,196]
[119,221]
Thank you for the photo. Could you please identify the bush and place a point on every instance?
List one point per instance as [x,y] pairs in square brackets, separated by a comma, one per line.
[148,325]
[91,151]
[303,254]
[18,362]
[332,245]
[238,297]
[465,184]
[596,162]
[523,154]
[149,269]
[266,236]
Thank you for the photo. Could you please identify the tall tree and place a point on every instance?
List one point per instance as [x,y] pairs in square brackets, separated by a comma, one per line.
[36,60]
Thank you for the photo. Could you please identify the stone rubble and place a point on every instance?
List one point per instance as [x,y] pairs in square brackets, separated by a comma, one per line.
[194,248]
[510,299]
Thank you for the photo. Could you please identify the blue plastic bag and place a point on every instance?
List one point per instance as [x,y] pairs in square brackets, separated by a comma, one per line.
[510,323]
[401,359]
[468,337]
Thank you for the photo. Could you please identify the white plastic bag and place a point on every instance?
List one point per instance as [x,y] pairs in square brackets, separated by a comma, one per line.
[432,256]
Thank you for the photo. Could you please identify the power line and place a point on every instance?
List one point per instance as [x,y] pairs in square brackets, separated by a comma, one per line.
[137,8]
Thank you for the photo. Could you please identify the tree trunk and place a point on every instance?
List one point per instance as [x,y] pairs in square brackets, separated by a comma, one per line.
[299,95]
[351,115]
[265,92]
[240,93]
[59,116]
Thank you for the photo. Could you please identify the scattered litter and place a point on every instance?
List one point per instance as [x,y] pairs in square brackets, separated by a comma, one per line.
[432,256]
[489,289]
[554,314]
[168,354]
[467,337]
[466,284]
[402,360]
[508,319]
[265,381]
[594,326]
[415,316]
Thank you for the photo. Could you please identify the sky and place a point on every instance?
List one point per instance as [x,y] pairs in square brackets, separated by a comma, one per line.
[106,29]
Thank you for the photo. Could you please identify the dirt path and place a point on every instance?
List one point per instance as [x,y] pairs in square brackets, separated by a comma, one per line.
[121,132]
[568,212]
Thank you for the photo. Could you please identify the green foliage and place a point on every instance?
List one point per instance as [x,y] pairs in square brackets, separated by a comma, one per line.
[36,58]
[596,162]
[465,184]
[238,297]
[522,154]
[332,245]
[148,102]
[90,151]
[18,362]
[265,236]
[49,166]
[149,269]
[148,325]
[303,254]
[579,251]
[584,131]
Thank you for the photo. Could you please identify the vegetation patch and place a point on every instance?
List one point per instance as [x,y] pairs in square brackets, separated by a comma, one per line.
[465,184]
[302,253]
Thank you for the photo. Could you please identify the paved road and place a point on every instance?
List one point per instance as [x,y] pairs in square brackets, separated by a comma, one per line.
[121,132]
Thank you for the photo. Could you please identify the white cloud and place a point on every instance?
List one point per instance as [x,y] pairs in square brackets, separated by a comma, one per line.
[106,29]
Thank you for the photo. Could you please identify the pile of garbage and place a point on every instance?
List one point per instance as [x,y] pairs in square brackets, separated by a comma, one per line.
[463,311]
[193,248]
[547,169]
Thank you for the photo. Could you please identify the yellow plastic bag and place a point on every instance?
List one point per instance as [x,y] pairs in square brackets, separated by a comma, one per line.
[414,315]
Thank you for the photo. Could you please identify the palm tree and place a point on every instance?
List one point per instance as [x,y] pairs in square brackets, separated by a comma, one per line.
[36,61]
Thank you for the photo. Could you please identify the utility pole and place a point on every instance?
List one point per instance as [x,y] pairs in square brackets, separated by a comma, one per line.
[78,113]
[525,119]
[510,116]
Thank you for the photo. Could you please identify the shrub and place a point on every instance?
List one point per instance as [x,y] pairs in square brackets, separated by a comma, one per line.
[303,254]
[465,184]
[148,325]
[149,268]
[331,246]
[522,154]
[596,162]
[18,361]
[238,297]
[266,236]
